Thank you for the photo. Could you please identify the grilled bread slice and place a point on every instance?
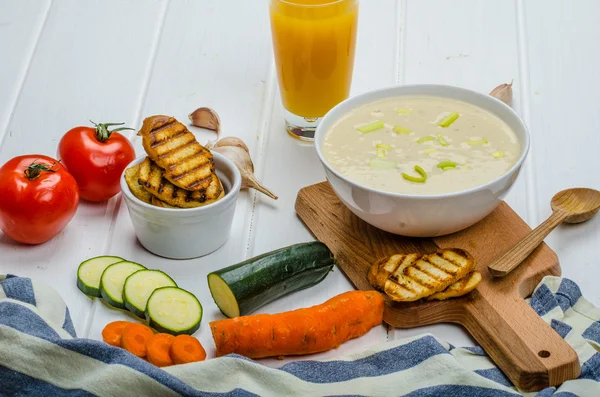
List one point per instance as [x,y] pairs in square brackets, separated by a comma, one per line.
[381,270]
[132,176]
[160,203]
[173,147]
[406,278]
[152,178]
[462,287]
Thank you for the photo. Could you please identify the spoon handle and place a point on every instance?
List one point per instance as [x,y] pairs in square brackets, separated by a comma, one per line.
[517,254]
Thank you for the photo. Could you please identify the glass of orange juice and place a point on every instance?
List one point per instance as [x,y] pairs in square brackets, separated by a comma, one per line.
[314,42]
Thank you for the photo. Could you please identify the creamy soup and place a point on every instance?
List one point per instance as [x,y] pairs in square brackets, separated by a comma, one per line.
[421,145]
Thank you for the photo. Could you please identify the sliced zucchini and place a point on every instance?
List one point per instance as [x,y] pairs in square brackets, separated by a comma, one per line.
[90,271]
[174,311]
[241,289]
[113,279]
[140,285]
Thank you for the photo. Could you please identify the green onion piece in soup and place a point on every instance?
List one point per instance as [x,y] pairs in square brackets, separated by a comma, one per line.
[442,141]
[420,179]
[374,126]
[477,142]
[448,120]
[383,146]
[426,139]
[381,153]
[403,111]
[498,155]
[447,164]
[401,130]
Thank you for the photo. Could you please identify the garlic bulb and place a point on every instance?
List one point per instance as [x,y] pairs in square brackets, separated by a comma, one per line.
[504,93]
[241,158]
[233,148]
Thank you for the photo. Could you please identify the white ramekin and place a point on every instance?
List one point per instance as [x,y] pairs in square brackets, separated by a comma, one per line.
[183,233]
[423,215]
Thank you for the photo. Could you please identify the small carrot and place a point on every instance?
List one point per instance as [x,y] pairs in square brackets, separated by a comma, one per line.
[111,334]
[187,349]
[135,338]
[303,331]
[158,348]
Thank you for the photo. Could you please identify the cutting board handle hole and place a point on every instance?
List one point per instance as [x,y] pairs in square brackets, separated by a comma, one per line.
[544,353]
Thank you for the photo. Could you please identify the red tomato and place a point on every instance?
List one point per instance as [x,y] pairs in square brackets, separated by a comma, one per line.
[96,157]
[38,197]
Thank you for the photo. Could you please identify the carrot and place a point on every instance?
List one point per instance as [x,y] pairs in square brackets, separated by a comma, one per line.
[135,337]
[187,349]
[158,350]
[303,331]
[111,333]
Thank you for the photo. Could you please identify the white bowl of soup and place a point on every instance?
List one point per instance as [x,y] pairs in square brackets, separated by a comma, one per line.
[422,160]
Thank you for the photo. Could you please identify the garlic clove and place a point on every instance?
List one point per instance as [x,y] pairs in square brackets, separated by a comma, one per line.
[241,158]
[251,182]
[231,141]
[504,93]
[206,118]
[233,148]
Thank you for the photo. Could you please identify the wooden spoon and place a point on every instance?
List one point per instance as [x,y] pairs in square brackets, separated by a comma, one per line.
[572,206]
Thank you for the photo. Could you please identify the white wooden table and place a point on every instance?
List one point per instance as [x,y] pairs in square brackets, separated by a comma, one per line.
[65,61]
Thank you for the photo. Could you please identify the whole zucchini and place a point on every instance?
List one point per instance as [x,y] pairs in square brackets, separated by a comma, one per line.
[241,289]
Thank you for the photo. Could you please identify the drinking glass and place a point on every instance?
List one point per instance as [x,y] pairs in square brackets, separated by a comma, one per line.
[314,43]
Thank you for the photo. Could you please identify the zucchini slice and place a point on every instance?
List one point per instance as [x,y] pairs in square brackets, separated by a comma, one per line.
[241,289]
[113,279]
[140,285]
[90,271]
[173,311]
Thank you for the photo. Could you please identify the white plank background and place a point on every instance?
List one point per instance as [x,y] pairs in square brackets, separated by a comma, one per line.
[65,62]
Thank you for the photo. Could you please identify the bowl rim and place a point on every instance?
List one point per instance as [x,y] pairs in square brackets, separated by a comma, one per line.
[226,199]
[319,135]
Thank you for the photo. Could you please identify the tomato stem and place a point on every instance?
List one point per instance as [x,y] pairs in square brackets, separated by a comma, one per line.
[35,169]
[102,131]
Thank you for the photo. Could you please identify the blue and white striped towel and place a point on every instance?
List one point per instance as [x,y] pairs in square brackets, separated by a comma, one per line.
[40,356]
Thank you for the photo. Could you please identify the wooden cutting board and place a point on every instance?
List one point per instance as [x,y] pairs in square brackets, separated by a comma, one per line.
[531,354]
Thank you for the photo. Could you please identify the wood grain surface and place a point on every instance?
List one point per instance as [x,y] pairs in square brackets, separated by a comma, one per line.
[571,206]
[529,351]
[515,256]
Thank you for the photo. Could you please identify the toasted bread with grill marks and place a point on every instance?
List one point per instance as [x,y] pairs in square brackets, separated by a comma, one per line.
[152,178]
[383,268]
[462,287]
[132,176]
[174,148]
[160,203]
[406,278]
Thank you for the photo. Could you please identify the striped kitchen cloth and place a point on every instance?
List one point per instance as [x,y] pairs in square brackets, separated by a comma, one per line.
[40,355]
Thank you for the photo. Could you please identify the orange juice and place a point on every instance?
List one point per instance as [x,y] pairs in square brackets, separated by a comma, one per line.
[314,42]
